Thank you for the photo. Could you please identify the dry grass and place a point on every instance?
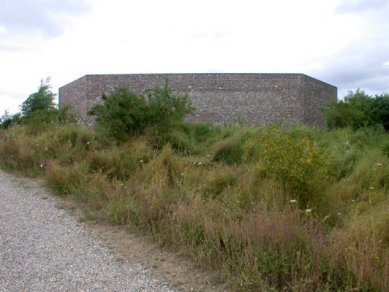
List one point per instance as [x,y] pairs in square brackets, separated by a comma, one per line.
[224,212]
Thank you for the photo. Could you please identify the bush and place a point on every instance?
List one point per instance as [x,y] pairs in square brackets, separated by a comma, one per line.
[233,218]
[358,110]
[124,113]
[42,120]
[381,110]
[121,113]
[295,163]
[38,111]
[7,120]
[165,110]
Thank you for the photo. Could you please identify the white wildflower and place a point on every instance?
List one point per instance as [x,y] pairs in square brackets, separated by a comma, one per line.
[308,210]
[293,201]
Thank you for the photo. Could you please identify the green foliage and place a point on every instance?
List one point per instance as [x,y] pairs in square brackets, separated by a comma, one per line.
[42,120]
[230,150]
[39,102]
[189,138]
[235,213]
[166,111]
[124,113]
[7,120]
[295,163]
[217,185]
[38,112]
[121,113]
[381,110]
[201,132]
[359,110]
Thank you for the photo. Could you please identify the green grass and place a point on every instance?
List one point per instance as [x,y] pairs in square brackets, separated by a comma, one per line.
[269,208]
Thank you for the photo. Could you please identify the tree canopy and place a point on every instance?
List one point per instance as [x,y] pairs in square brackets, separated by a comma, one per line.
[40,101]
[358,110]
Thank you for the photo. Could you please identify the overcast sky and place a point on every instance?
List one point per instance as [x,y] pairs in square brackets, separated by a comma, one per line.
[342,42]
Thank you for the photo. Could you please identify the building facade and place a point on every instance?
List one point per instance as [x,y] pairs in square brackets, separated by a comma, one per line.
[253,99]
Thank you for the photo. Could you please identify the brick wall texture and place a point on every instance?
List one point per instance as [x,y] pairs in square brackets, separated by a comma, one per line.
[254,99]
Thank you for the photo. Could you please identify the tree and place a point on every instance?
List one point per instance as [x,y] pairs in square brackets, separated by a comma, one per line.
[40,101]
[381,110]
[359,110]
[39,111]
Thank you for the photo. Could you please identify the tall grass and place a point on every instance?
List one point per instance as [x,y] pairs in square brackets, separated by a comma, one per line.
[269,208]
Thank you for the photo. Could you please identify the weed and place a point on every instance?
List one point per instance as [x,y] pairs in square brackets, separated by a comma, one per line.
[269,208]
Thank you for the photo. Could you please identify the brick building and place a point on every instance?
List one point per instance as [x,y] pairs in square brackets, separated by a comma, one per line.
[256,99]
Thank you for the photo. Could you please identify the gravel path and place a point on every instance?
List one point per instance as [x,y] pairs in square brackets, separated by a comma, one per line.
[43,248]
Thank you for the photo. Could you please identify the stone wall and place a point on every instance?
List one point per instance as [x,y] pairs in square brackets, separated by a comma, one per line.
[218,98]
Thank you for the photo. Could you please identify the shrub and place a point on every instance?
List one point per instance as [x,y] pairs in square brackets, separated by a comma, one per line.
[121,113]
[381,110]
[124,113]
[296,164]
[233,218]
[165,110]
[7,120]
[358,110]
[42,120]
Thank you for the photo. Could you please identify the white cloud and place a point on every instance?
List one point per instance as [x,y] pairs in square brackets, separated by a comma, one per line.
[360,5]
[341,42]
[26,23]
[37,15]
[360,64]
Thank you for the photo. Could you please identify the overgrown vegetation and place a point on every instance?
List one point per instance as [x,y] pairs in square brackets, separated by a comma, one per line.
[124,113]
[38,111]
[359,110]
[275,207]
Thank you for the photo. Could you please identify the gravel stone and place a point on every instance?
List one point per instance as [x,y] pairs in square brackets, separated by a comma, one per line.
[43,248]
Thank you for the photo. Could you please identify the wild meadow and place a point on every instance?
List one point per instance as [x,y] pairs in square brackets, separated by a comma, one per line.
[269,208]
